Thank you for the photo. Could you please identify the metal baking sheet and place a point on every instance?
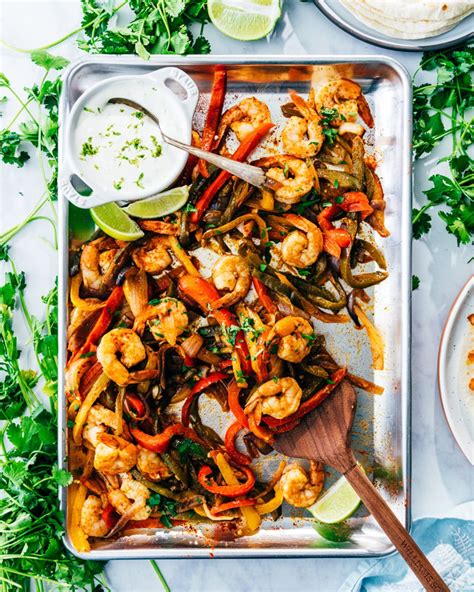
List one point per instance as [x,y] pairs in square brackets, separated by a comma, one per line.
[382,427]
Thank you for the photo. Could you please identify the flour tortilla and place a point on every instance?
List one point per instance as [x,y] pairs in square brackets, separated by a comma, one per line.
[396,27]
[421,10]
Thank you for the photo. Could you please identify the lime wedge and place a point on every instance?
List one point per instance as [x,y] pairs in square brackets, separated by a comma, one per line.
[159,205]
[245,20]
[116,223]
[338,503]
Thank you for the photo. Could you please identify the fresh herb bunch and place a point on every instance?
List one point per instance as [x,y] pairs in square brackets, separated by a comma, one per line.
[157,27]
[31,523]
[443,108]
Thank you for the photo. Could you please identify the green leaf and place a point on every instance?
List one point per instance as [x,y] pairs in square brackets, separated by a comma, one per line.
[421,223]
[62,477]
[48,61]
[415,282]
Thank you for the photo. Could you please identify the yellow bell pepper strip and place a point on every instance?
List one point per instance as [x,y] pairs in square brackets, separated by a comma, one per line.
[183,257]
[251,516]
[375,339]
[77,497]
[272,504]
[77,301]
[100,384]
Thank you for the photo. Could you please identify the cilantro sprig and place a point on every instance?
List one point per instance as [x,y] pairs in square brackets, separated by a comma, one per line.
[443,109]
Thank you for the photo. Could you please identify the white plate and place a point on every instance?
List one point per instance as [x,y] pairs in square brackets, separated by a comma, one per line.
[454,372]
[336,12]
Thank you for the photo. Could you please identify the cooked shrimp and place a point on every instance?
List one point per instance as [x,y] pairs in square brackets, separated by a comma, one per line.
[119,350]
[303,246]
[90,264]
[99,419]
[152,257]
[166,320]
[131,498]
[231,274]
[279,397]
[244,118]
[293,335]
[92,522]
[303,137]
[114,455]
[299,490]
[293,176]
[346,97]
[106,259]
[151,466]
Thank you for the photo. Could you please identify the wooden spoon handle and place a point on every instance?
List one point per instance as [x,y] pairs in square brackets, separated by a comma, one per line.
[399,536]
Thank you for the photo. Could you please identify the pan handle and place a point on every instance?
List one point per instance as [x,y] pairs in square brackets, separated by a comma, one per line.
[92,200]
[177,75]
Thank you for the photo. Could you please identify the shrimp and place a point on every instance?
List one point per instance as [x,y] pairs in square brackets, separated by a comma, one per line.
[279,397]
[294,178]
[293,335]
[299,490]
[130,499]
[303,137]
[231,274]
[346,97]
[99,419]
[114,455]
[92,522]
[303,246]
[118,350]
[91,262]
[166,320]
[244,118]
[106,259]
[151,466]
[152,257]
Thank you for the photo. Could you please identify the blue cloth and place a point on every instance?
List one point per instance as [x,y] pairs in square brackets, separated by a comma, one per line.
[449,544]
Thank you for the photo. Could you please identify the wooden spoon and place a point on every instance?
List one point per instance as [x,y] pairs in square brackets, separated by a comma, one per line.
[325,436]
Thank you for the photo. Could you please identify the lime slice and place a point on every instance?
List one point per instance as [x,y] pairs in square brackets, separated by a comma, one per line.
[338,503]
[116,223]
[245,20]
[159,205]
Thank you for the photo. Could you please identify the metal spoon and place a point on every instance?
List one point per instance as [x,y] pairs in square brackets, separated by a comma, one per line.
[252,174]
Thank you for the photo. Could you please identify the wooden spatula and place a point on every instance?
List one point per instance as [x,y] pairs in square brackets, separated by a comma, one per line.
[325,436]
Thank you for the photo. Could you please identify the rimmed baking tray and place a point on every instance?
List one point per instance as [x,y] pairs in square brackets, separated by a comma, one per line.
[382,426]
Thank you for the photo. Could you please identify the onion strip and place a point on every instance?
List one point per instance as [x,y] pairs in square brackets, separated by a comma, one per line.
[100,384]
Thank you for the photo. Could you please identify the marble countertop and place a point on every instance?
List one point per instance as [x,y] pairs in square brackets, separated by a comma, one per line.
[442,476]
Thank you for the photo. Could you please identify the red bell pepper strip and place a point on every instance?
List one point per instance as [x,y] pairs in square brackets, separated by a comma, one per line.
[110,516]
[334,239]
[259,430]
[145,523]
[226,490]
[112,304]
[213,115]
[91,375]
[325,217]
[135,406]
[229,442]
[264,296]
[204,293]
[311,403]
[247,146]
[356,201]
[160,442]
[238,503]
[234,404]
[200,386]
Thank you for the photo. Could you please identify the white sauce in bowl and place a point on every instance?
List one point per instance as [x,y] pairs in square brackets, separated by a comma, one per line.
[120,148]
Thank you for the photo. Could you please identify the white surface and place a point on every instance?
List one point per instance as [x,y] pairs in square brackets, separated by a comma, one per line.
[442,476]
[455,372]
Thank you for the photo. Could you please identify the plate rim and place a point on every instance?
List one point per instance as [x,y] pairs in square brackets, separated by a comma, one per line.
[374,39]
[442,350]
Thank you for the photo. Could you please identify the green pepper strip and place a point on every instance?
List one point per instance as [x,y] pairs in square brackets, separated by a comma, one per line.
[319,295]
[204,431]
[373,251]
[345,180]
[174,465]
[363,280]
[164,491]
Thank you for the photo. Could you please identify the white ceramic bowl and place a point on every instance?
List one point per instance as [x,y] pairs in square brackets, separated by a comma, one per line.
[178,96]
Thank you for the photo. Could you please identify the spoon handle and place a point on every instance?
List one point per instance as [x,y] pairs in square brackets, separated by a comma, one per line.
[252,174]
[406,546]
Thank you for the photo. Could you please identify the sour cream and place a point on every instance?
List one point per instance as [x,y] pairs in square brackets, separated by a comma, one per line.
[120,148]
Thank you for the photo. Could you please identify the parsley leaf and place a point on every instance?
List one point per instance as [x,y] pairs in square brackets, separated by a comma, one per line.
[415,282]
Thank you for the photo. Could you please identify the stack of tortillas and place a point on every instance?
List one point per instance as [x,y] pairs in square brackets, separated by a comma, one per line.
[410,19]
